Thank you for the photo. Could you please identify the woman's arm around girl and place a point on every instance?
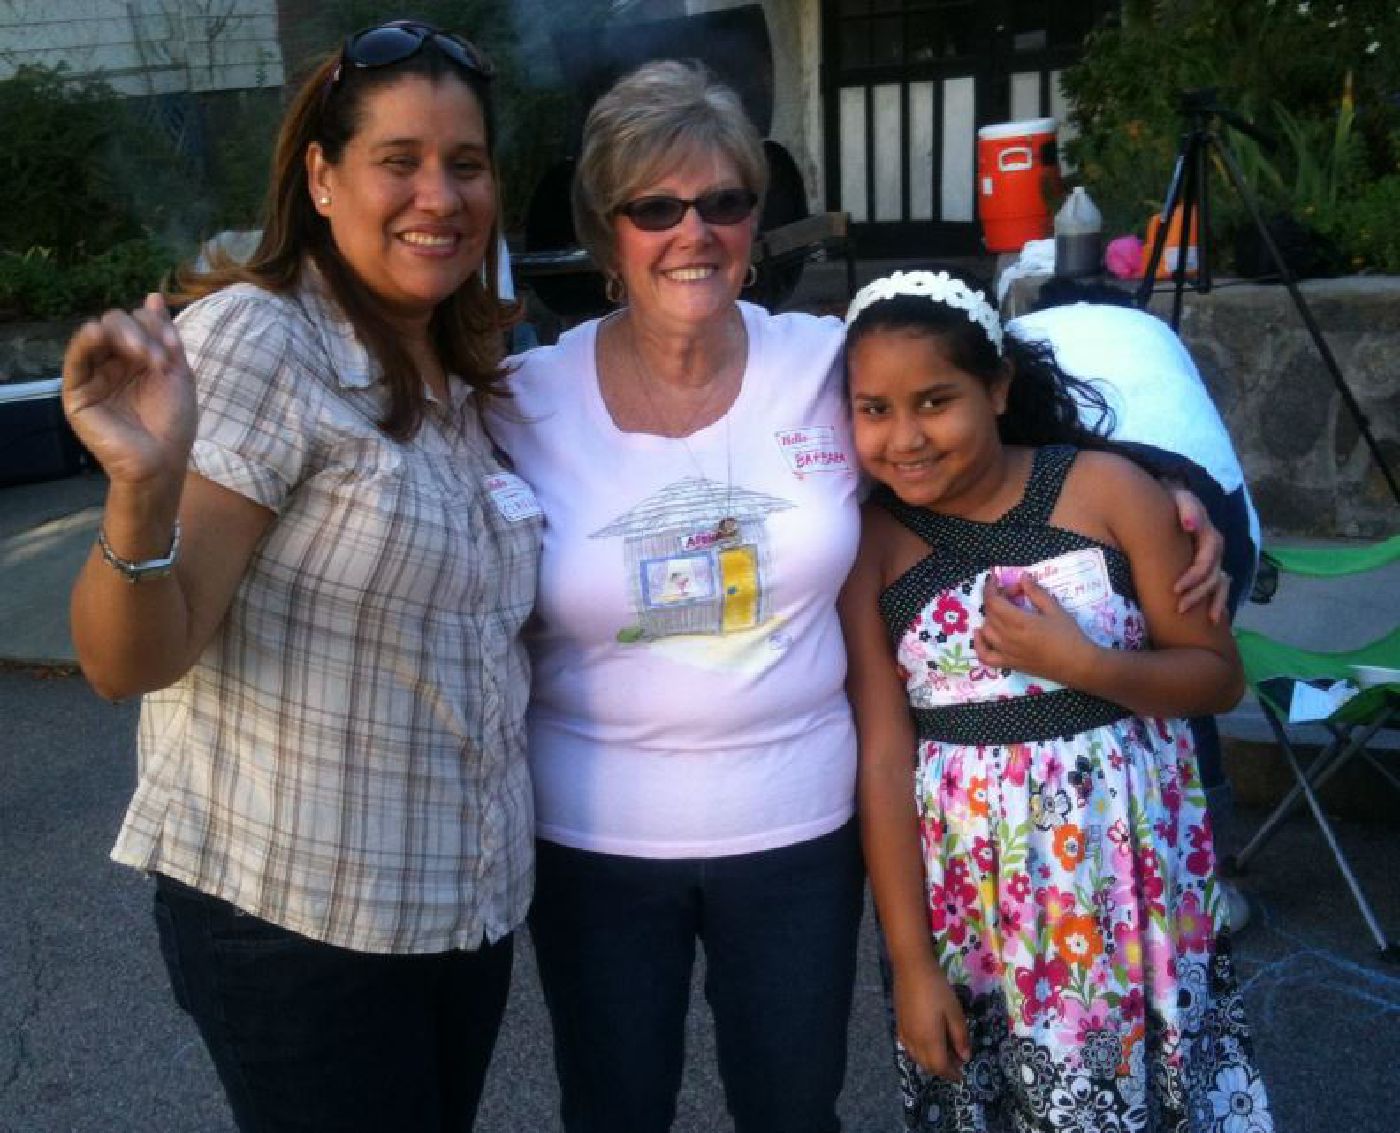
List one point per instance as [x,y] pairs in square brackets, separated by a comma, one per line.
[1190,669]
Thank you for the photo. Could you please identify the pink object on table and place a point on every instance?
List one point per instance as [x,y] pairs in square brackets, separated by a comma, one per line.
[1124,257]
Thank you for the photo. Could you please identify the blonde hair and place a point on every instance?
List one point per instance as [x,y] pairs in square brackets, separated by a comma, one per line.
[649,122]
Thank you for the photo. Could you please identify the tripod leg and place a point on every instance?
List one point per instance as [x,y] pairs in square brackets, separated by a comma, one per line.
[1363,424]
[1203,276]
[1169,207]
[1188,213]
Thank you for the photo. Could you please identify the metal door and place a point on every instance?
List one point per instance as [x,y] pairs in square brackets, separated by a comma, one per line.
[907,83]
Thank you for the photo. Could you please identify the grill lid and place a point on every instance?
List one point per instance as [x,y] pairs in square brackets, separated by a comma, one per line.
[732,42]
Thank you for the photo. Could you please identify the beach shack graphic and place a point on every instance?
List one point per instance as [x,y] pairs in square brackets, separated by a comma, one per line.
[686,578]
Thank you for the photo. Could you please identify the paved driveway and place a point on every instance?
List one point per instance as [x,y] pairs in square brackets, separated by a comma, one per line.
[90,1041]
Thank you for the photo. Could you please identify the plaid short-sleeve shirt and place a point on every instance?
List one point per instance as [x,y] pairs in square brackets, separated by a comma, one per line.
[347,756]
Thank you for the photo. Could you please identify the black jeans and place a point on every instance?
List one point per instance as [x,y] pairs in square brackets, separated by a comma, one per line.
[1231,519]
[615,939]
[311,1038]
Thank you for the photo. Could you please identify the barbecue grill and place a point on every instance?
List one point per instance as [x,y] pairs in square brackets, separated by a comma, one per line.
[734,44]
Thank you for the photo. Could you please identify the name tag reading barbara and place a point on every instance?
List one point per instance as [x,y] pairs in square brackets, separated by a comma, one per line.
[813,448]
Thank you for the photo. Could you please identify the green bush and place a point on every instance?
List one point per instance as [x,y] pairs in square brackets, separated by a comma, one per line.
[83,184]
[1317,75]
[56,187]
[1367,227]
[37,284]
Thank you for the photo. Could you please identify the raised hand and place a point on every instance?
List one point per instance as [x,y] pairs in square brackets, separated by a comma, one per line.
[129,395]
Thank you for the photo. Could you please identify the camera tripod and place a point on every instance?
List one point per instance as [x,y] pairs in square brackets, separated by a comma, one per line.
[1188,205]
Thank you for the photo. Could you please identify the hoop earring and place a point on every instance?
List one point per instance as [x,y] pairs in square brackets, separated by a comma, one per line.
[615,291]
[751,276]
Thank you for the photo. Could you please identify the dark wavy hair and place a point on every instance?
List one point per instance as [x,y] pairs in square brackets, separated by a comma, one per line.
[467,326]
[1043,402]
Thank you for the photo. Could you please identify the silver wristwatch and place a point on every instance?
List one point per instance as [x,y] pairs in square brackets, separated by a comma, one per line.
[145,570]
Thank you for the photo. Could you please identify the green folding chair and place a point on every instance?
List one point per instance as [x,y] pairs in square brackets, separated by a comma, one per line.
[1275,670]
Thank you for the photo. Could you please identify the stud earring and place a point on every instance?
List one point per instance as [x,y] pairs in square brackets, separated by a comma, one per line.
[323,200]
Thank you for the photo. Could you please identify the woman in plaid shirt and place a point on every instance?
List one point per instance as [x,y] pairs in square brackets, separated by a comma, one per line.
[315,569]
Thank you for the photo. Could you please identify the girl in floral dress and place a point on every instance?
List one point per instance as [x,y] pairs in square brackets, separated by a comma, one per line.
[1034,827]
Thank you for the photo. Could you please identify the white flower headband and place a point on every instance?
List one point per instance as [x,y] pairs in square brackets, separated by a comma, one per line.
[939,287]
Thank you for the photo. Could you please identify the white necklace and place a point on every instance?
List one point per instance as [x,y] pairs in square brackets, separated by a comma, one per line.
[728,526]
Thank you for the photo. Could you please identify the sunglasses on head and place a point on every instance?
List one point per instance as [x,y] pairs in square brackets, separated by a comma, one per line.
[399,40]
[718,206]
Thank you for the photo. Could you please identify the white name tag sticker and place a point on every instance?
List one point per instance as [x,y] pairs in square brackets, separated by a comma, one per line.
[514,498]
[1077,580]
[813,449]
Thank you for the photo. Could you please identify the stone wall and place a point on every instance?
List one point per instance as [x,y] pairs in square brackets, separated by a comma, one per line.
[1309,468]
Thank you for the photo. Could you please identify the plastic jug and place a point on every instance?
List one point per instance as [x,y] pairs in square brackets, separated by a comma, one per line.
[1078,237]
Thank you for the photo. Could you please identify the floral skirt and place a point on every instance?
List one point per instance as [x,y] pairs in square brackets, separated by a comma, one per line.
[1073,904]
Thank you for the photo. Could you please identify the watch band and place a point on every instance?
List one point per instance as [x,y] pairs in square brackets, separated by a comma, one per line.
[146,570]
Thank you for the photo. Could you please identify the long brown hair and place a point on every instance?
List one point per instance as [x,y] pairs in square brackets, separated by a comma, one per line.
[466,328]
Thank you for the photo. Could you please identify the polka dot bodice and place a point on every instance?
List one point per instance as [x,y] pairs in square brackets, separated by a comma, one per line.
[933,609]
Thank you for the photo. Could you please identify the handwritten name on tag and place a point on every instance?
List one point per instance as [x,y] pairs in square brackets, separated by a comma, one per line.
[1077,580]
[813,449]
[514,499]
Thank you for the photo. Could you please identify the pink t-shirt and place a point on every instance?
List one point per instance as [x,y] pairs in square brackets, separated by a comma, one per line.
[688,694]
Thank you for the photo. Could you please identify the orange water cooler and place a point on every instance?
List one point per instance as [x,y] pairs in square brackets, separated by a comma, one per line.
[1018,169]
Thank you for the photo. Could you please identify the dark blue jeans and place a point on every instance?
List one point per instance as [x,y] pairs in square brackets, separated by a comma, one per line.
[615,939]
[1231,518]
[311,1038]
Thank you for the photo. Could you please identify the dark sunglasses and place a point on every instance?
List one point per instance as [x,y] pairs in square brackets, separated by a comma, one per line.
[718,206]
[399,40]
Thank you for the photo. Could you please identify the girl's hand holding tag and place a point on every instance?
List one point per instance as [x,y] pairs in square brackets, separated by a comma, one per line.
[1008,580]
[1026,629]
